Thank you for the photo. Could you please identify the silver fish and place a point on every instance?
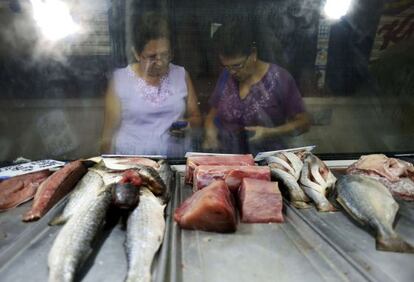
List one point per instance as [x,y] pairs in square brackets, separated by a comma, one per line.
[145,232]
[316,180]
[283,164]
[370,203]
[72,246]
[295,162]
[85,192]
[296,194]
[166,175]
[289,174]
[152,179]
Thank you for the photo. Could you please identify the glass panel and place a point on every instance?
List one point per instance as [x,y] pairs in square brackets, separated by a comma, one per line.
[80,79]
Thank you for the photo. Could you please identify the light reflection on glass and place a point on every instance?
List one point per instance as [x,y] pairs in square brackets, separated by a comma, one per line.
[54,19]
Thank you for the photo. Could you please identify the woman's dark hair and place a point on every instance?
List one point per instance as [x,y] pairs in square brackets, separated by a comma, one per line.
[234,38]
[150,26]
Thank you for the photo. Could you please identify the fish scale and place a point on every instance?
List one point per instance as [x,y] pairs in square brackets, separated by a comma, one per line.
[370,203]
[85,191]
[145,232]
[72,245]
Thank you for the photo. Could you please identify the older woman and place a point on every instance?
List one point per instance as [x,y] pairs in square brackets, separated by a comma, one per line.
[255,103]
[145,98]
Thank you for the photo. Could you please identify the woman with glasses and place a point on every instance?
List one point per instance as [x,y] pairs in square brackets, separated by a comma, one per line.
[255,103]
[145,99]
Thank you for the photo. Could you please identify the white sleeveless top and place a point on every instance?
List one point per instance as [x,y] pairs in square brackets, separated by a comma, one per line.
[147,113]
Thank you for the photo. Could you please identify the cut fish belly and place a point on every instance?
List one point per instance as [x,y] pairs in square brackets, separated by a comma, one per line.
[193,162]
[232,175]
[379,164]
[54,188]
[260,201]
[19,189]
[397,175]
[210,209]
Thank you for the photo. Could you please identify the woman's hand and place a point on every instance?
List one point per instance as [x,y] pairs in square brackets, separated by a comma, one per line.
[257,133]
[210,142]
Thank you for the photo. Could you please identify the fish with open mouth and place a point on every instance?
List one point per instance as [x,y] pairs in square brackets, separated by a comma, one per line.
[145,233]
[317,180]
[286,167]
[369,202]
[72,245]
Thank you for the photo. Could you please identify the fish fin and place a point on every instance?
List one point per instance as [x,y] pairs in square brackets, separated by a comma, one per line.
[301,205]
[58,220]
[393,244]
[326,207]
[30,216]
[343,204]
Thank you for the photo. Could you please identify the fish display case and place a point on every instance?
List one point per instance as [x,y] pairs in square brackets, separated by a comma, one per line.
[308,246]
[24,247]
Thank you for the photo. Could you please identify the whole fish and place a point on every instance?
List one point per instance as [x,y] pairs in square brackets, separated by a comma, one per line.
[125,193]
[72,245]
[152,179]
[85,192]
[370,203]
[145,232]
[316,180]
[166,175]
[286,167]
[149,176]
[297,197]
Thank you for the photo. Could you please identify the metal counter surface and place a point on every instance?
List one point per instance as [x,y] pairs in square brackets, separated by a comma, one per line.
[24,251]
[290,251]
[357,244]
[309,246]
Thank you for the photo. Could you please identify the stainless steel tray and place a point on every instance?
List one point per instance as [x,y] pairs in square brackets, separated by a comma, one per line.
[357,245]
[291,251]
[24,252]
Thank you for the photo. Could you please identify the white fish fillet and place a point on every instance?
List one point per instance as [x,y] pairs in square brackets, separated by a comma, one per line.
[145,233]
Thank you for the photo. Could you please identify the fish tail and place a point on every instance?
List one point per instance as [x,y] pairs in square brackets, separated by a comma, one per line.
[59,220]
[300,205]
[30,216]
[394,244]
[326,207]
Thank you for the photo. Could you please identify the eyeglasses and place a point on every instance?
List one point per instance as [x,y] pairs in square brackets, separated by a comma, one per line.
[236,67]
[163,57]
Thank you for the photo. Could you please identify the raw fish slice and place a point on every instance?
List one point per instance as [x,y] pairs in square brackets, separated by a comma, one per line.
[260,201]
[232,175]
[209,209]
[20,189]
[54,188]
[233,160]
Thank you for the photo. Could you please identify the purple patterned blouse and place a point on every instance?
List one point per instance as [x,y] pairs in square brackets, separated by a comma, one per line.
[270,102]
